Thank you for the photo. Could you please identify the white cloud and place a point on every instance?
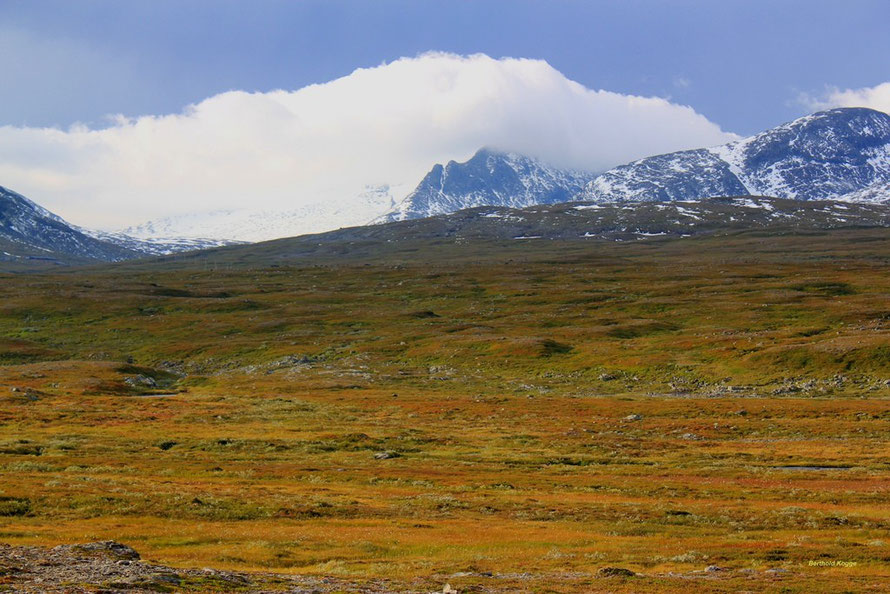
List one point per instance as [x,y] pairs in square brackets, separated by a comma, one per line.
[681,82]
[876,97]
[285,149]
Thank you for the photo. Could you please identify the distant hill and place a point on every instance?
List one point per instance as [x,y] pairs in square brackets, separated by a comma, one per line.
[563,222]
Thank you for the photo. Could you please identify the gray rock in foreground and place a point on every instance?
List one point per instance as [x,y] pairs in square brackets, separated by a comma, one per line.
[110,566]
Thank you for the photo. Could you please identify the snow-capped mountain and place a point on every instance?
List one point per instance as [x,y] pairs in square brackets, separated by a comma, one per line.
[684,175]
[834,154]
[841,154]
[30,232]
[489,178]
[248,225]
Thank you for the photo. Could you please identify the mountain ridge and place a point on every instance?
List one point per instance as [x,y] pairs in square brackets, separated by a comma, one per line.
[488,177]
[821,156]
[31,234]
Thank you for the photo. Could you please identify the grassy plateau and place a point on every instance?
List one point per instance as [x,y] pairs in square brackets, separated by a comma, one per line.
[500,416]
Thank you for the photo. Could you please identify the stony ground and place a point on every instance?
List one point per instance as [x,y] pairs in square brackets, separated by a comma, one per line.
[109,566]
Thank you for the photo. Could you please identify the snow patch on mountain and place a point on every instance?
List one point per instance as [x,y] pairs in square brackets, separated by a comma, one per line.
[878,193]
[157,246]
[250,225]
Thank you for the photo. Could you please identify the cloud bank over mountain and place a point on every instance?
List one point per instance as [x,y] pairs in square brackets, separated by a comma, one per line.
[876,97]
[326,142]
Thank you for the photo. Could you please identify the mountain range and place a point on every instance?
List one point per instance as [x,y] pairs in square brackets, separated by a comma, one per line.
[839,154]
[835,154]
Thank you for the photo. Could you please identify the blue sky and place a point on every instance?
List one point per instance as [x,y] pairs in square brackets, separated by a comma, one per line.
[742,64]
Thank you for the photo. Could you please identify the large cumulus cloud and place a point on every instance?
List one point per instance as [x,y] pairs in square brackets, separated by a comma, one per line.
[382,125]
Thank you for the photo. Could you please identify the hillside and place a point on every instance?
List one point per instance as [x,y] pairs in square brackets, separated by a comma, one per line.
[564,222]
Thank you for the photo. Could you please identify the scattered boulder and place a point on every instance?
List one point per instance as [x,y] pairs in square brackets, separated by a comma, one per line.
[141,381]
[615,572]
[157,582]
[386,455]
[29,394]
[633,417]
[106,548]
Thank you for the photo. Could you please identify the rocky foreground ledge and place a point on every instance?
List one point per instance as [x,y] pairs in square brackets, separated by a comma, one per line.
[112,567]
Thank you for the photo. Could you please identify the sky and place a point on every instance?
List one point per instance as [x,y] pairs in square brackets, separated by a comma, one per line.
[116,112]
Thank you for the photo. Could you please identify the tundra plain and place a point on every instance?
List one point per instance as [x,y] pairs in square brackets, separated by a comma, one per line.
[499,416]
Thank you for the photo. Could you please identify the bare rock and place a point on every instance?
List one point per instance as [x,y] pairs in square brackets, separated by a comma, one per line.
[106,548]
[141,381]
[615,572]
